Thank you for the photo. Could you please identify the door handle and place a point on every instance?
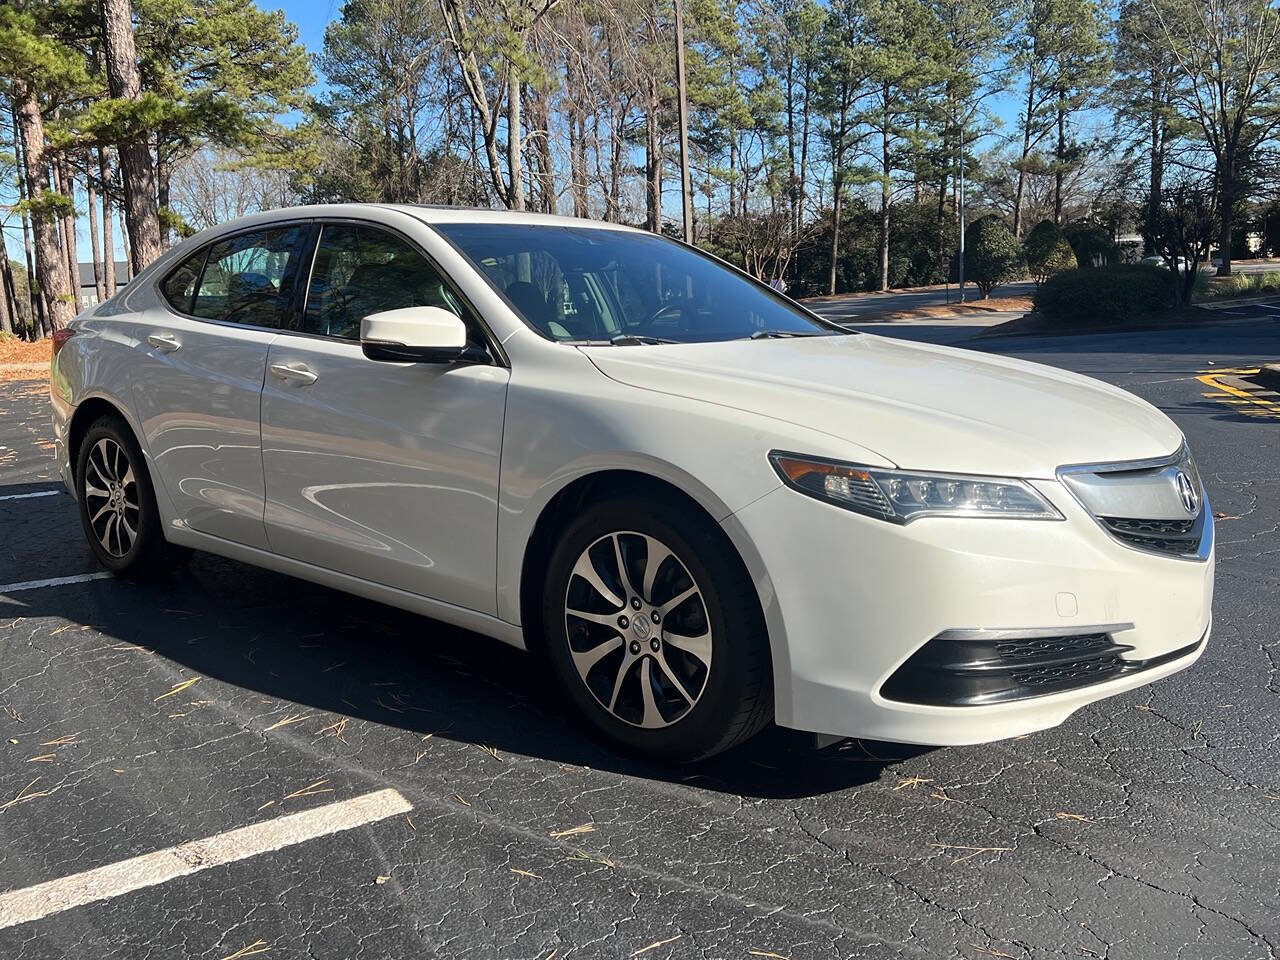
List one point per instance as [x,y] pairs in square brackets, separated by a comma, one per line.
[164,342]
[297,372]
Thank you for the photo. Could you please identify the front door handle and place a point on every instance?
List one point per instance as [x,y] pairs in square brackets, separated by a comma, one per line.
[297,372]
[164,342]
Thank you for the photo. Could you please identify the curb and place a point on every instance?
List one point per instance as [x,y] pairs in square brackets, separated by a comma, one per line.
[1269,374]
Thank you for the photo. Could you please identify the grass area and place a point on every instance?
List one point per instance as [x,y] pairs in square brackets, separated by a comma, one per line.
[1209,287]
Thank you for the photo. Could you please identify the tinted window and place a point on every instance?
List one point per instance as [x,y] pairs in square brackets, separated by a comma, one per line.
[249,277]
[580,283]
[181,284]
[359,271]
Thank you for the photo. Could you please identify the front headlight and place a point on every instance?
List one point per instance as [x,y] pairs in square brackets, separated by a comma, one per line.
[903,495]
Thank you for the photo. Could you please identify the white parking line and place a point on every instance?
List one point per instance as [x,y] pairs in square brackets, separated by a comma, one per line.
[51,582]
[102,883]
[26,496]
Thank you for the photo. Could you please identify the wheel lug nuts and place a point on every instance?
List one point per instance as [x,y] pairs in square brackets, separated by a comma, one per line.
[623,622]
[635,603]
[655,616]
[635,647]
[653,644]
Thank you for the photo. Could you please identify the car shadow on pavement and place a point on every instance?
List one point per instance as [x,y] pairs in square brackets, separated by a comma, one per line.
[329,651]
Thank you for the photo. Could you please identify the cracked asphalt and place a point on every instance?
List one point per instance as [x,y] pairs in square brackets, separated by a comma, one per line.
[135,718]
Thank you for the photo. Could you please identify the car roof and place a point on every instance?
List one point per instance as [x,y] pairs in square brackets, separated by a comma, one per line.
[429,214]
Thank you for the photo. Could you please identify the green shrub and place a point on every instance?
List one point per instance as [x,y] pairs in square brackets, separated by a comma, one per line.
[1047,251]
[1108,294]
[992,255]
[1091,242]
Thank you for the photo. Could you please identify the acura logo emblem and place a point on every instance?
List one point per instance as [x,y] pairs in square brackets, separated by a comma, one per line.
[1187,493]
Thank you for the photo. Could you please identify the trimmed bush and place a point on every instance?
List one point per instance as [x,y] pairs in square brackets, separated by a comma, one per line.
[1047,251]
[1107,294]
[1091,243]
[992,255]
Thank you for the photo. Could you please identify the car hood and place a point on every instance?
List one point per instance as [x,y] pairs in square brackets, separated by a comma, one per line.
[919,406]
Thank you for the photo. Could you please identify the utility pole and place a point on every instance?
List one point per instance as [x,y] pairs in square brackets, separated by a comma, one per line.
[686,188]
[961,211]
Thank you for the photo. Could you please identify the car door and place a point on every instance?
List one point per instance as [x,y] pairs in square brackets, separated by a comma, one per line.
[383,471]
[198,389]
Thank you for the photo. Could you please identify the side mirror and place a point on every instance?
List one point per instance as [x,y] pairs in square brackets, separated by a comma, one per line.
[422,334]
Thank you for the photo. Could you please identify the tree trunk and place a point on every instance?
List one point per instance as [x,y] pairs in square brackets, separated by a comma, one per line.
[1226,205]
[1059,168]
[1026,152]
[108,238]
[577,140]
[34,295]
[653,160]
[164,173]
[515,167]
[19,323]
[837,183]
[886,170]
[50,262]
[68,189]
[136,167]
[682,106]
[95,241]
[8,303]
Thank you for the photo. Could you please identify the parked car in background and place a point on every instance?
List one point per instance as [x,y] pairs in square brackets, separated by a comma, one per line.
[704,506]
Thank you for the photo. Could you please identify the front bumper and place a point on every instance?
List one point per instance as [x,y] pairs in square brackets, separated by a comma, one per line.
[850,599]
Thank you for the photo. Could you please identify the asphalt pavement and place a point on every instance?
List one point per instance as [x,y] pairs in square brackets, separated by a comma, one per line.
[451,807]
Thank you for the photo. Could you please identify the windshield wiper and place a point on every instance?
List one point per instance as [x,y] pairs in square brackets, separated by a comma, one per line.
[774,334]
[635,339]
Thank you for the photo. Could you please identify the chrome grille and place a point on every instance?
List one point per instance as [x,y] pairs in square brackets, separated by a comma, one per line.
[1157,506]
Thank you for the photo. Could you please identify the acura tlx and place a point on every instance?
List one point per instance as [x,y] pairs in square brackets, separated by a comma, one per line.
[704,506]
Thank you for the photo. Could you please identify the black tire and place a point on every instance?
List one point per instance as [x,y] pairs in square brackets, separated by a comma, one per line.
[735,698]
[145,555]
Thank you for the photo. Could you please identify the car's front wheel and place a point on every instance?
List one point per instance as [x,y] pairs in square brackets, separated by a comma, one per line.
[654,629]
[117,503]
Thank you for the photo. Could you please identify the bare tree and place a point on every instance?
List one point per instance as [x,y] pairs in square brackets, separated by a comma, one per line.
[1228,57]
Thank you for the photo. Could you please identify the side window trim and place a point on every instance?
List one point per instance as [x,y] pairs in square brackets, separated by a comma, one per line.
[208,247]
[492,345]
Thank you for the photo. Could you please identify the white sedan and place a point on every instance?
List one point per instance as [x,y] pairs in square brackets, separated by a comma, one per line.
[705,507]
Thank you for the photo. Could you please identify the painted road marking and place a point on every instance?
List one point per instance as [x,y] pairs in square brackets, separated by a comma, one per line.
[6,588]
[1235,396]
[149,869]
[26,496]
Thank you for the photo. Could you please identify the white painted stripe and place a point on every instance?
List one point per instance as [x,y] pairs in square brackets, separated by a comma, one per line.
[102,883]
[52,582]
[27,496]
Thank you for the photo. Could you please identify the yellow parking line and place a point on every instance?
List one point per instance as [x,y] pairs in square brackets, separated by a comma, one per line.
[1267,407]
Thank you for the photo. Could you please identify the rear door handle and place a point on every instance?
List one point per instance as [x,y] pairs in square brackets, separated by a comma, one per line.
[297,372]
[164,342]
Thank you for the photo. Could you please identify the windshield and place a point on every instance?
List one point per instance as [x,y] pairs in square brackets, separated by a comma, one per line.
[589,284]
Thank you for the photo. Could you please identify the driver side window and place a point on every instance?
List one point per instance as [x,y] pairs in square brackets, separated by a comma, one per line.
[359,271]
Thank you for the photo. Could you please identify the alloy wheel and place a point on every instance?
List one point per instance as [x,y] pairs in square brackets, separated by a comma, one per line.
[639,634]
[110,490]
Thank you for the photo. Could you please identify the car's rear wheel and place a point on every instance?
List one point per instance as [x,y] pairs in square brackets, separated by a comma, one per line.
[654,630]
[118,505]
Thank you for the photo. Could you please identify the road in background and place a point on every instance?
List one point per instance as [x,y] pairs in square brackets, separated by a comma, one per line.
[134,719]
[868,306]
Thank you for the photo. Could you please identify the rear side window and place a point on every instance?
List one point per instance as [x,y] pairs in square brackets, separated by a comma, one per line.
[181,284]
[359,271]
[248,278]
